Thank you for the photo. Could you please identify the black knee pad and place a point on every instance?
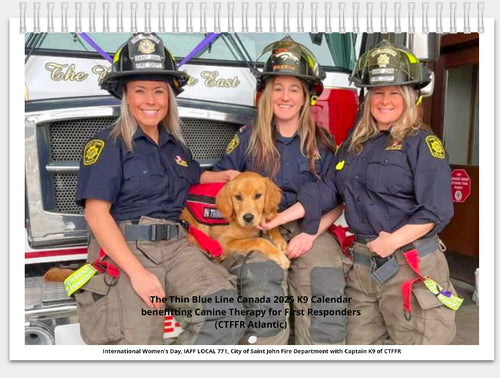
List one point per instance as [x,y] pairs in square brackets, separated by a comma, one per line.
[224,323]
[328,320]
[260,287]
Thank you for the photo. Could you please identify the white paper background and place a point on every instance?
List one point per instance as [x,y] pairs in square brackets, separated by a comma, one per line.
[488,49]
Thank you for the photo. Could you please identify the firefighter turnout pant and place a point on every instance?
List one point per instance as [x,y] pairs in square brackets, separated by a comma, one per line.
[263,292]
[316,282]
[200,294]
[378,299]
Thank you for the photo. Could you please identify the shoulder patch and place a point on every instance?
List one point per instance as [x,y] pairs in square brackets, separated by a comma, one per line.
[233,144]
[435,147]
[92,151]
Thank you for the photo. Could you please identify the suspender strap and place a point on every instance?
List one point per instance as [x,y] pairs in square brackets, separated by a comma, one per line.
[344,240]
[210,246]
[445,297]
[106,267]
[411,257]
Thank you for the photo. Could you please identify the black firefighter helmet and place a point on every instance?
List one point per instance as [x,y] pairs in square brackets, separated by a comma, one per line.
[388,64]
[143,57]
[290,58]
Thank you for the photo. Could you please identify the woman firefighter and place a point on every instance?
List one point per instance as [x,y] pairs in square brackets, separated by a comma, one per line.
[133,182]
[393,176]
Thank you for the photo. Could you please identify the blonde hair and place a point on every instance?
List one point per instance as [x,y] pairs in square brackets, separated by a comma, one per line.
[262,149]
[409,122]
[126,126]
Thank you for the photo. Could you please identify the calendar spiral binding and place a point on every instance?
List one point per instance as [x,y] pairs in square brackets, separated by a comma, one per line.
[287,17]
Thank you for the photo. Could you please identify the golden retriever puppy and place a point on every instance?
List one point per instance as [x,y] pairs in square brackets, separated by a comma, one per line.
[245,201]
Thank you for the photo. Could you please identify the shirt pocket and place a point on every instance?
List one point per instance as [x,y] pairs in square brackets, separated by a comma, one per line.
[341,169]
[134,171]
[305,173]
[390,173]
[181,178]
[144,176]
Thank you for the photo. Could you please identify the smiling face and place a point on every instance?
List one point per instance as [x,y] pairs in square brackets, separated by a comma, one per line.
[386,106]
[287,98]
[147,102]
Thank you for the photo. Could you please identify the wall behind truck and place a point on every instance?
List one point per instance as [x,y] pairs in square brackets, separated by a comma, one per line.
[452,113]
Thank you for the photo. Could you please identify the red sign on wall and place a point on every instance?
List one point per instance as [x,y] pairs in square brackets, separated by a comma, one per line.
[460,185]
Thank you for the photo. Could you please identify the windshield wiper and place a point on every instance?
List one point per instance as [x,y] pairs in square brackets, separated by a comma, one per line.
[241,50]
[32,43]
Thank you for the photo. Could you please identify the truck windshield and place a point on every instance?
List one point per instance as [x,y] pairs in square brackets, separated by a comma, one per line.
[334,51]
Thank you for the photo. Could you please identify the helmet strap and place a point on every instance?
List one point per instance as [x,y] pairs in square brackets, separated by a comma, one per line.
[314,99]
[419,99]
[361,97]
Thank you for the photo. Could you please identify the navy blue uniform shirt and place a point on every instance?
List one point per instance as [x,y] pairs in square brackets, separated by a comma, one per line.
[387,185]
[294,170]
[150,180]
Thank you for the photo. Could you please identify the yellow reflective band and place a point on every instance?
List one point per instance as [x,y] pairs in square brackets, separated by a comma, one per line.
[310,61]
[117,56]
[451,301]
[412,58]
[79,278]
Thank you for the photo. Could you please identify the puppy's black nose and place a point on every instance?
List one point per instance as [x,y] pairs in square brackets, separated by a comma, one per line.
[248,218]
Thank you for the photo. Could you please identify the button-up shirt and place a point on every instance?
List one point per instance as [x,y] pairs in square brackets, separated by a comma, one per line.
[387,185]
[294,170]
[151,180]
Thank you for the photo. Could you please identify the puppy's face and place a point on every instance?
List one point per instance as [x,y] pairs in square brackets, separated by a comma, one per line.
[248,199]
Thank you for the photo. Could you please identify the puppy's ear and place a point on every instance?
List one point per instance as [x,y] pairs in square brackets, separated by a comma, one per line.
[273,199]
[224,202]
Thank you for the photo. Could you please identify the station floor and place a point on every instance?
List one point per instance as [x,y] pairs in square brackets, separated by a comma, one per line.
[467,319]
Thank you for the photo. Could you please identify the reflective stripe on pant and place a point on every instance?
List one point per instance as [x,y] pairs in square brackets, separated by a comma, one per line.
[262,285]
[117,315]
[382,319]
[318,274]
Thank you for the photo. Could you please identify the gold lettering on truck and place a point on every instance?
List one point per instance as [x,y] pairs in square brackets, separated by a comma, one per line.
[101,71]
[212,80]
[65,72]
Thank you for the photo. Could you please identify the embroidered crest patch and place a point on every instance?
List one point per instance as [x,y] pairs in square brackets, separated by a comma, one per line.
[394,146]
[233,144]
[317,155]
[179,160]
[92,151]
[435,147]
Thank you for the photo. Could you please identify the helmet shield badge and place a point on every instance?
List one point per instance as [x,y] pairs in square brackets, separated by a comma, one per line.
[389,64]
[290,58]
[143,57]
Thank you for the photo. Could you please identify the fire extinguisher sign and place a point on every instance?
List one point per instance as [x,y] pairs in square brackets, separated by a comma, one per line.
[460,185]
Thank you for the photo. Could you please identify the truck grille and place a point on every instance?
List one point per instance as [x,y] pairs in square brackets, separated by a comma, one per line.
[206,139]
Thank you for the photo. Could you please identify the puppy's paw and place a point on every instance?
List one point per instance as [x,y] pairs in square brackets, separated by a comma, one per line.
[282,245]
[284,262]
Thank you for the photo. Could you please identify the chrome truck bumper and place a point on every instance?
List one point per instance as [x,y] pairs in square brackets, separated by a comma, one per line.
[47,308]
